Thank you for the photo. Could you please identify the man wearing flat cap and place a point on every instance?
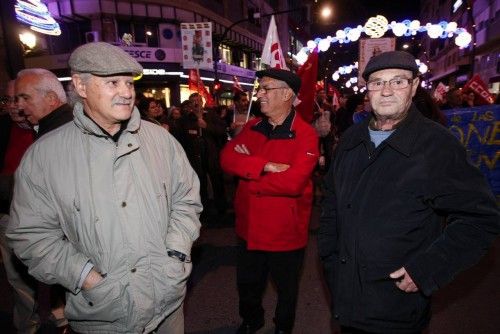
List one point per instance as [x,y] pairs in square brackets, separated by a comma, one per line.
[107,206]
[395,179]
[274,157]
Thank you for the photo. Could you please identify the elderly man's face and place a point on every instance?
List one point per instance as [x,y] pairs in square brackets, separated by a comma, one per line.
[33,102]
[390,103]
[271,95]
[10,104]
[109,100]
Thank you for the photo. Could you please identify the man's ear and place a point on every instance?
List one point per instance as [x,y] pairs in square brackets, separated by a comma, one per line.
[416,82]
[288,94]
[80,86]
[54,100]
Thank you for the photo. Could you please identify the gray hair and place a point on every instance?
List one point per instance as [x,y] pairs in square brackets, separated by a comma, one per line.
[47,81]
[73,96]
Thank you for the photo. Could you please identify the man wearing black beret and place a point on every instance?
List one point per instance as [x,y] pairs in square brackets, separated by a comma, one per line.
[274,157]
[394,178]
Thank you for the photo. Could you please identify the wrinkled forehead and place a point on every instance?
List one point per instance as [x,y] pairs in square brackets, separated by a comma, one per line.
[264,81]
[389,73]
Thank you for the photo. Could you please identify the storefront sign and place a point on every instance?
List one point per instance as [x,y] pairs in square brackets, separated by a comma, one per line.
[235,70]
[156,55]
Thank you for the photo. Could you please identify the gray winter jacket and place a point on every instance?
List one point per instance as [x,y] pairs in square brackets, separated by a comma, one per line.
[80,197]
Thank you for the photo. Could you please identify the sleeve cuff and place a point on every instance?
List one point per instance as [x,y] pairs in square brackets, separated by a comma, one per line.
[85,271]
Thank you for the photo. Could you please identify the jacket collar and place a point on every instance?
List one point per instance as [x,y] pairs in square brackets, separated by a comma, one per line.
[87,125]
[401,140]
[283,131]
[56,118]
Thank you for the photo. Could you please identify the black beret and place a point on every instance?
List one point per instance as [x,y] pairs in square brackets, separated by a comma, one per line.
[391,59]
[292,80]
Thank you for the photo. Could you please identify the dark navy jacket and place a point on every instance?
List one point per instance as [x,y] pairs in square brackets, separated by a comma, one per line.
[384,209]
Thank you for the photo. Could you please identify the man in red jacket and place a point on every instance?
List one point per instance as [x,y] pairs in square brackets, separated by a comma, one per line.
[274,157]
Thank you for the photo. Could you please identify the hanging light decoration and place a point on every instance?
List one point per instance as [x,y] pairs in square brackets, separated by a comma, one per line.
[36,14]
[376,27]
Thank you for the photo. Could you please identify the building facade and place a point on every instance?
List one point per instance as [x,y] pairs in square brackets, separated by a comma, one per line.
[450,64]
[154,26]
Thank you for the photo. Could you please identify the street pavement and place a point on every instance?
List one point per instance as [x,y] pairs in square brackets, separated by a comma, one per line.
[470,304]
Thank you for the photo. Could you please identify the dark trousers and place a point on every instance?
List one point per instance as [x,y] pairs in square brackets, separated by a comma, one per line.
[252,271]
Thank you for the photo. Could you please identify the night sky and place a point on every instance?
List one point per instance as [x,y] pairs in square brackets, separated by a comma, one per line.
[351,13]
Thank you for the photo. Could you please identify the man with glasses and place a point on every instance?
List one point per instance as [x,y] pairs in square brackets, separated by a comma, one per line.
[274,157]
[394,178]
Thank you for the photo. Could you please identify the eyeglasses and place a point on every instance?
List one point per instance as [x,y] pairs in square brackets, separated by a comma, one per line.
[395,84]
[4,100]
[266,89]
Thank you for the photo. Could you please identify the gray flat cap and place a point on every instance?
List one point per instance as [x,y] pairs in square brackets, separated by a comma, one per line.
[103,59]
[291,79]
[391,59]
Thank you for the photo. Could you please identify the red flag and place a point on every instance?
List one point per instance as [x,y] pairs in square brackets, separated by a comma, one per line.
[480,89]
[332,91]
[196,84]
[236,85]
[308,73]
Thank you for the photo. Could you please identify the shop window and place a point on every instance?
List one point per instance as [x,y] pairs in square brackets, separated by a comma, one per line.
[159,93]
[225,53]
[186,92]
[151,33]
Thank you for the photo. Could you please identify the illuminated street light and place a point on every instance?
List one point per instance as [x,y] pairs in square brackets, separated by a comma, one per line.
[28,39]
[149,33]
[405,46]
[326,12]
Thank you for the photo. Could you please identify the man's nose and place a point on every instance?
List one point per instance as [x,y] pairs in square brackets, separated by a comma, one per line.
[387,90]
[126,90]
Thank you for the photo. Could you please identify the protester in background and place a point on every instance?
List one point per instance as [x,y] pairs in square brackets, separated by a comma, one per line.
[155,113]
[20,136]
[274,157]
[115,207]
[354,103]
[240,112]
[394,178]
[360,113]
[174,121]
[42,99]
[322,114]
[200,131]
[469,99]
[427,106]
[453,99]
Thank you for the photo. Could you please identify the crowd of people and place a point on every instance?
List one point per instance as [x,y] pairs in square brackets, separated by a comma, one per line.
[109,195]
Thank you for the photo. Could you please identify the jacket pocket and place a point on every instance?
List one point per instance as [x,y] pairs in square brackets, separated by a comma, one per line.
[383,301]
[101,303]
[173,283]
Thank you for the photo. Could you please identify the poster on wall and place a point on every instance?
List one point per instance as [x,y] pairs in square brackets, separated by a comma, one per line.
[197,45]
[369,47]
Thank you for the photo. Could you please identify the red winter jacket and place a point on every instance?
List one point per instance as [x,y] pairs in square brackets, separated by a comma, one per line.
[273,209]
